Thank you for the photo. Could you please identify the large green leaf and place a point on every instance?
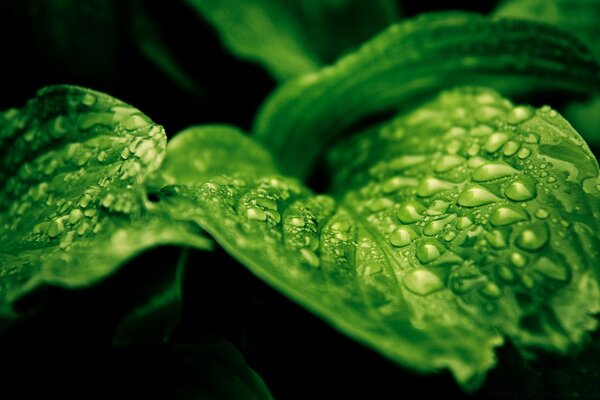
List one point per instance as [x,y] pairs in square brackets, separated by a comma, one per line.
[73,208]
[464,221]
[413,59]
[291,37]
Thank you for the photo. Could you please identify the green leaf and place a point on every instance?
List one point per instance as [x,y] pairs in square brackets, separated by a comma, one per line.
[411,60]
[293,37]
[73,207]
[579,17]
[464,221]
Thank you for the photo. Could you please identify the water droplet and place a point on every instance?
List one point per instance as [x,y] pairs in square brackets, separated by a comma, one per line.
[380,204]
[437,207]
[430,186]
[521,190]
[519,115]
[494,170]
[542,213]
[462,285]
[506,275]
[496,239]
[341,226]
[533,238]
[88,99]
[410,212]
[475,196]
[134,122]
[531,138]
[265,202]
[518,260]
[552,270]
[491,291]
[476,162]
[464,222]
[510,148]
[396,183]
[449,236]
[59,127]
[435,227]
[422,282]
[298,222]
[473,150]
[495,141]
[523,153]
[429,250]
[56,228]
[527,281]
[508,214]
[310,257]
[401,237]
[256,214]
[75,215]
[448,162]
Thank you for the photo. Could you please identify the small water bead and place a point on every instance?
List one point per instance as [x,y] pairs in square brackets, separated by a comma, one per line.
[518,260]
[473,150]
[506,275]
[429,250]
[551,179]
[437,207]
[508,214]
[552,270]
[542,213]
[476,162]
[402,237]
[533,238]
[495,239]
[481,130]
[435,227]
[410,212]
[510,148]
[531,138]
[59,127]
[475,196]
[430,186]
[297,222]
[256,214]
[310,257]
[449,236]
[88,99]
[521,190]
[491,291]
[528,281]
[448,162]
[75,215]
[56,228]
[493,170]
[495,141]
[134,122]
[462,285]
[464,222]
[422,282]
[523,153]
[396,183]
[341,226]
[519,115]
[380,204]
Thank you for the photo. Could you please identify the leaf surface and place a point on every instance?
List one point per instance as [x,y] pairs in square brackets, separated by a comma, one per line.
[73,205]
[452,226]
[409,61]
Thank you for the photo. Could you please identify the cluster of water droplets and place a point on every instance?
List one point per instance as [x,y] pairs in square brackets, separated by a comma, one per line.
[71,158]
[478,208]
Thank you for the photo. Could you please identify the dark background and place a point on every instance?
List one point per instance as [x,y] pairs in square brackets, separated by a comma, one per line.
[65,349]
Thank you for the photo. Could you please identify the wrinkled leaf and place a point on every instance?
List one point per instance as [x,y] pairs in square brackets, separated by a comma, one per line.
[579,17]
[293,37]
[73,206]
[451,226]
[413,59]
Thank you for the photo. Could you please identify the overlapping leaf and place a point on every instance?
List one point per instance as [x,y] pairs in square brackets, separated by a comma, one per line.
[464,221]
[73,206]
[412,59]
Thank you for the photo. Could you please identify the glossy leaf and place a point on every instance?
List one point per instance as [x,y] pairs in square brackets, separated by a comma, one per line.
[463,221]
[411,60]
[73,206]
[293,37]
